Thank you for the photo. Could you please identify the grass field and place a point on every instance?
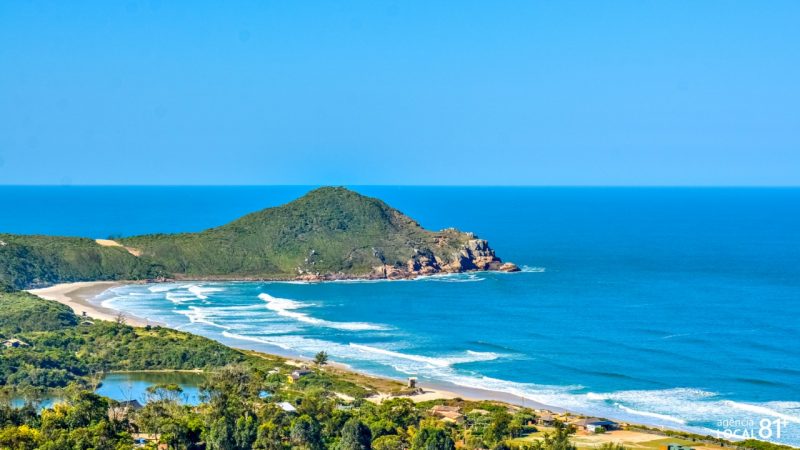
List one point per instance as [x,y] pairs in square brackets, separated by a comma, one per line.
[634,440]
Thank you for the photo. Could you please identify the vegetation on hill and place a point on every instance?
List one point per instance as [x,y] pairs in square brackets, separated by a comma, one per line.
[329,231]
[27,261]
[57,349]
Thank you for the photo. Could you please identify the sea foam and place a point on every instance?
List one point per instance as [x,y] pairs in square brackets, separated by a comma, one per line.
[286,307]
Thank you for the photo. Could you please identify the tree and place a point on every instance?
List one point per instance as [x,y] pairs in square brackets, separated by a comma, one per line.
[306,433]
[269,437]
[559,440]
[245,432]
[164,392]
[388,442]
[432,439]
[321,358]
[231,393]
[498,429]
[21,438]
[355,436]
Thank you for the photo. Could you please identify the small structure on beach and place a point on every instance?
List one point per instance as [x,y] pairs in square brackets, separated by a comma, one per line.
[297,374]
[447,413]
[594,424]
[14,343]
[412,382]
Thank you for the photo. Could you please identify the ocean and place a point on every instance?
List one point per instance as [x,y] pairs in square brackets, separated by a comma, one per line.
[665,306]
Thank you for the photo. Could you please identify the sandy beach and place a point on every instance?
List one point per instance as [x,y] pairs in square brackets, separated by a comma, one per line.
[77,296]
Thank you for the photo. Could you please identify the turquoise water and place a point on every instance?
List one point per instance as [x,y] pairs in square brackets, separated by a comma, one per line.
[675,307]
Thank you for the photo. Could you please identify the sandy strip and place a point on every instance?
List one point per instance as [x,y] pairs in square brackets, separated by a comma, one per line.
[77,296]
[428,394]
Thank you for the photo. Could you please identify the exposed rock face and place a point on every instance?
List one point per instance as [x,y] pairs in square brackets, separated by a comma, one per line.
[475,255]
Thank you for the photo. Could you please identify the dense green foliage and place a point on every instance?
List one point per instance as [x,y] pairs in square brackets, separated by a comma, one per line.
[23,312]
[35,260]
[235,416]
[59,350]
[328,231]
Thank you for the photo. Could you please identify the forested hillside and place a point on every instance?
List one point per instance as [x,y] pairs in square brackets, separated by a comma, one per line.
[329,233]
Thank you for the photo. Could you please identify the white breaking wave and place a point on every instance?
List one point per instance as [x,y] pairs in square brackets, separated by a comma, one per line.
[433,361]
[761,410]
[453,278]
[651,414]
[201,315]
[201,291]
[178,297]
[161,287]
[286,308]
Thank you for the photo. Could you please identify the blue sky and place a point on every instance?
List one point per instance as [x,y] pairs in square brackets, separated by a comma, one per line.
[406,92]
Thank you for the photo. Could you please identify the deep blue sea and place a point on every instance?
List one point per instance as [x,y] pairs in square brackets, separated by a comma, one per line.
[676,307]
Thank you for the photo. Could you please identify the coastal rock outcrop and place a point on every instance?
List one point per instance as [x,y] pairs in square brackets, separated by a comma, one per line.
[475,255]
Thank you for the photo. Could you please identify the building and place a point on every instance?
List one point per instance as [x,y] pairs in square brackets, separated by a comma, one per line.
[120,410]
[297,374]
[546,419]
[594,424]
[447,413]
[288,407]
[14,343]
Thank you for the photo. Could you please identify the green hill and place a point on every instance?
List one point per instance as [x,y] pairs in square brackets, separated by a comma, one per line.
[329,233]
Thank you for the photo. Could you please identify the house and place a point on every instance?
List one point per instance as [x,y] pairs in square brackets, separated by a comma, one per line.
[14,343]
[546,419]
[594,424]
[120,410]
[297,374]
[288,407]
[447,413]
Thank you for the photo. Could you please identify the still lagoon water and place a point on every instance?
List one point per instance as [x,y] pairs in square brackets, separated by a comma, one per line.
[675,307]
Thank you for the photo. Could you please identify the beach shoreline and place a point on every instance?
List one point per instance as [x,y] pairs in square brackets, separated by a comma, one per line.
[79,295]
